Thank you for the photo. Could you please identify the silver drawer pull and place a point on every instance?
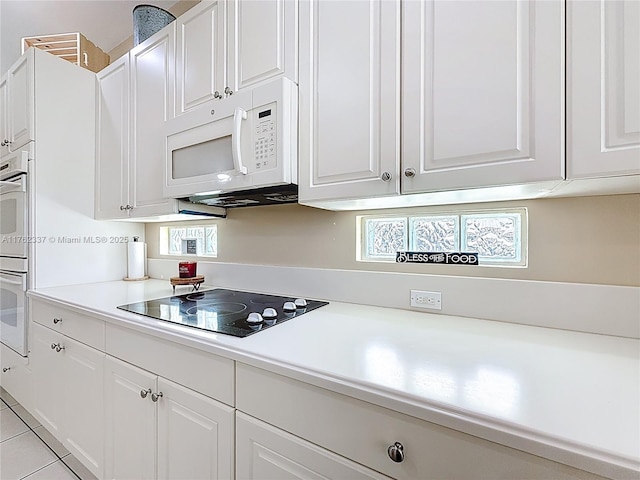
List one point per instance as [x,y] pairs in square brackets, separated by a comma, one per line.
[144,393]
[56,320]
[396,452]
[6,369]
[156,396]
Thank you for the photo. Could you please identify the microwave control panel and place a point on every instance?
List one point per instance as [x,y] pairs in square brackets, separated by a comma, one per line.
[265,138]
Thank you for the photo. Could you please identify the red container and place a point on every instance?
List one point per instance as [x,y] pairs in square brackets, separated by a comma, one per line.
[187,269]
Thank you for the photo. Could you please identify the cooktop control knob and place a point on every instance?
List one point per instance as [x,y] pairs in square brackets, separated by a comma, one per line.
[254,318]
[269,314]
[289,307]
[301,303]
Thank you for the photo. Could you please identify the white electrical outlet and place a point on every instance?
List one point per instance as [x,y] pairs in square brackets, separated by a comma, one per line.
[422,299]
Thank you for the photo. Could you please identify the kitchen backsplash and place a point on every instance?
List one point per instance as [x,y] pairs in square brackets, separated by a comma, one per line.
[592,240]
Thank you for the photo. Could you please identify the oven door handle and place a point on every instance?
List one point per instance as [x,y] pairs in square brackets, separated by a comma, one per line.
[7,186]
[5,279]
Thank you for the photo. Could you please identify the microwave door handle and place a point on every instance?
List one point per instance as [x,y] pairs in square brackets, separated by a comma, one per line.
[238,116]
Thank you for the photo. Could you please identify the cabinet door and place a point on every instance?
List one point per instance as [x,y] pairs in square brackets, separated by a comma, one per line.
[195,435]
[200,56]
[263,451]
[349,99]
[262,41]
[16,376]
[152,83]
[21,102]
[84,404]
[603,113]
[112,156]
[482,93]
[48,378]
[130,422]
[4,116]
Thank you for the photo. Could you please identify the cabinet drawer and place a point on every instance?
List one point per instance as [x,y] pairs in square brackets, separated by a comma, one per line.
[203,372]
[363,432]
[15,376]
[83,328]
[263,451]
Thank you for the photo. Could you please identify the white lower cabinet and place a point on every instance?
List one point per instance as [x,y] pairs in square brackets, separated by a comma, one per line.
[265,452]
[68,394]
[156,428]
[364,433]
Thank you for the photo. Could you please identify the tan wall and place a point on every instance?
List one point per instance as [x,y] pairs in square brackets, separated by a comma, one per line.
[582,240]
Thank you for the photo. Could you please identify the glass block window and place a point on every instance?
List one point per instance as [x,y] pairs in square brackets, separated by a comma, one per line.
[497,236]
[385,236]
[180,240]
[434,234]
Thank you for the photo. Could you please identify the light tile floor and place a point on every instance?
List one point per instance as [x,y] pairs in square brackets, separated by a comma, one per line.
[28,451]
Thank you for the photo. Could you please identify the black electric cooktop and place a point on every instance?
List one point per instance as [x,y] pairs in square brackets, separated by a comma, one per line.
[230,312]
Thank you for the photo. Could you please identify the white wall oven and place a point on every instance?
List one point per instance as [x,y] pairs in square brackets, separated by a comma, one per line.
[13,318]
[14,245]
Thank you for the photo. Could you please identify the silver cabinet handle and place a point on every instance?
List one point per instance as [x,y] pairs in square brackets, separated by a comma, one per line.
[6,369]
[144,393]
[56,320]
[386,176]
[57,347]
[410,172]
[156,396]
[396,452]
[228,91]
[216,94]
[4,143]
[53,346]
[121,207]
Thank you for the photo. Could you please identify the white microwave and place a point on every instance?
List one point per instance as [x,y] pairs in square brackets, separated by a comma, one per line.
[246,141]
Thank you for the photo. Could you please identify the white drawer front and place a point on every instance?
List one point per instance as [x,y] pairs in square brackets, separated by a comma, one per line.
[363,432]
[203,372]
[83,328]
[265,452]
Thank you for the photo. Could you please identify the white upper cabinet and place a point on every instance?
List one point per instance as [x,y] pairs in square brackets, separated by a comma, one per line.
[482,93]
[262,41]
[451,97]
[112,141]
[200,66]
[349,99]
[152,83]
[224,46]
[17,105]
[482,98]
[603,120]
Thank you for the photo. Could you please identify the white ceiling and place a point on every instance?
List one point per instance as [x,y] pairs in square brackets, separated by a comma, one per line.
[105,22]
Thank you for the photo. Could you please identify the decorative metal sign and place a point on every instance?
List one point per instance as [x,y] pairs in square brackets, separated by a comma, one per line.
[190,246]
[444,258]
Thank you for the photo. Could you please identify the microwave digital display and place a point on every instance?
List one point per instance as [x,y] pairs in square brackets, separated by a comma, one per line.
[264,113]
